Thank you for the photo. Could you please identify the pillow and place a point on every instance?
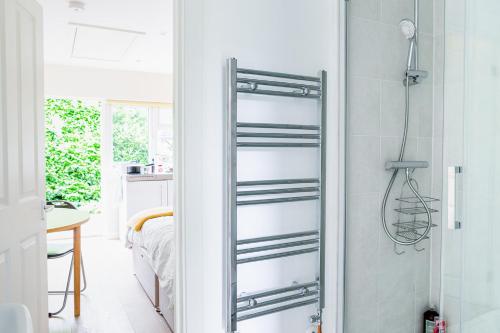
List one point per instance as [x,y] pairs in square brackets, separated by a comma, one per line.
[137,220]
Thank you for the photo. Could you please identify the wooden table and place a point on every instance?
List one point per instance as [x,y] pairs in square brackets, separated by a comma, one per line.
[63,219]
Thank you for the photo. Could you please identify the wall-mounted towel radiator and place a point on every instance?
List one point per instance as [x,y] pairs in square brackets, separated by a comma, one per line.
[244,135]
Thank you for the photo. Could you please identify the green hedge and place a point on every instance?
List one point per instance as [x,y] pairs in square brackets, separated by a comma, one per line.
[72,150]
[130,135]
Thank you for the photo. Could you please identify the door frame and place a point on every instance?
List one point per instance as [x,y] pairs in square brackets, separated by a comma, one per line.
[342,214]
[179,163]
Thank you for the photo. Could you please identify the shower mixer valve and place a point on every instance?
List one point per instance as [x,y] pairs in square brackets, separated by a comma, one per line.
[415,76]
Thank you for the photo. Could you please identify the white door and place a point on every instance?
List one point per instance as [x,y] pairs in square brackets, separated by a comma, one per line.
[23,258]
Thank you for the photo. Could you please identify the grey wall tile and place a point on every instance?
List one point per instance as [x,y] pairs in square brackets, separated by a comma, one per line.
[363,155]
[364,47]
[393,111]
[394,52]
[422,107]
[369,9]
[426,16]
[364,106]
[426,54]
[393,11]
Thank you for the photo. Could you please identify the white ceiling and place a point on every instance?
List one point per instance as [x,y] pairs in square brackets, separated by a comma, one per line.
[113,34]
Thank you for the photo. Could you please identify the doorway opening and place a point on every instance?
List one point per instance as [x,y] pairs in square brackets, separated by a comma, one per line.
[109,162]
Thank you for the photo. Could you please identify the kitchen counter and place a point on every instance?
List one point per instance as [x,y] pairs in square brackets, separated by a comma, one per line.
[148,177]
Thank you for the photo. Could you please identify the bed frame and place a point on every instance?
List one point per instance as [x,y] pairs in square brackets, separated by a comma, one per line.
[151,285]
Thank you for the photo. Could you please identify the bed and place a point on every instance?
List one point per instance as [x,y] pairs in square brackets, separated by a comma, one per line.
[154,260]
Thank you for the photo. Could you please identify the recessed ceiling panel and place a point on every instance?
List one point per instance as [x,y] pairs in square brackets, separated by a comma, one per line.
[102,43]
[151,51]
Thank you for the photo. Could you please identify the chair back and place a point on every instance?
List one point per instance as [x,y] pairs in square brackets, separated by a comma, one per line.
[61,204]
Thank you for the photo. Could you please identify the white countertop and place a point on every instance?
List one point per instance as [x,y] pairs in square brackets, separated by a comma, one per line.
[148,177]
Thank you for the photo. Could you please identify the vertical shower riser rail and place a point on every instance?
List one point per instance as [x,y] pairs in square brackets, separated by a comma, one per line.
[304,189]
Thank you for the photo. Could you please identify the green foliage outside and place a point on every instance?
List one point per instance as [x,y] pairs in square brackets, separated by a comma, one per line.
[73,146]
[130,135]
[72,150]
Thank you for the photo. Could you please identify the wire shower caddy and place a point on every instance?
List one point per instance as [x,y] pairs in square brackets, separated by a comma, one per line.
[409,224]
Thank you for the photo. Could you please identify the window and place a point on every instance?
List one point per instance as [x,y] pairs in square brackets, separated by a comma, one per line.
[143,133]
[130,134]
[162,136]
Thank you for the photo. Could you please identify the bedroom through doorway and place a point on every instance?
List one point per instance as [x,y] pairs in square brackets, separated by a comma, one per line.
[109,156]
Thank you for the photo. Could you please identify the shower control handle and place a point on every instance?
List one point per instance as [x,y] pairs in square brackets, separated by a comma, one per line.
[453,222]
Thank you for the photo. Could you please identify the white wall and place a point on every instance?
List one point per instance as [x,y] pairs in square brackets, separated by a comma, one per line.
[283,35]
[96,83]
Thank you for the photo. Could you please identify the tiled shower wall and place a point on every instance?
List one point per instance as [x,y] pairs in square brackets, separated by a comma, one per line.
[385,292]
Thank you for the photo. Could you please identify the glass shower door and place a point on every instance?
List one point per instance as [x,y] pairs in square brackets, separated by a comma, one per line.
[470,261]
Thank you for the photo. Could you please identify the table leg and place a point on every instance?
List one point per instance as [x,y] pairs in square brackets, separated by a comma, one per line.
[77,268]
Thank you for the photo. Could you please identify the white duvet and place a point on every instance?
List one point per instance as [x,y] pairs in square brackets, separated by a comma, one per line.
[157,238]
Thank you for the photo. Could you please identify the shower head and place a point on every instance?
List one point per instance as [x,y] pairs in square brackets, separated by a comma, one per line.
[409,31]
[407,28]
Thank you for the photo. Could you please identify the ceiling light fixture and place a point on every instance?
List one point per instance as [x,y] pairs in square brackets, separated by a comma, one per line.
[76,6]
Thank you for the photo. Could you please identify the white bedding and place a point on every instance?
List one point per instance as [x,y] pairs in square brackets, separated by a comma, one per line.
[157,238]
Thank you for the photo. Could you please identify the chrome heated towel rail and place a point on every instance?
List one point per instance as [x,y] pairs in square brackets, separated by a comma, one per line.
[242,135]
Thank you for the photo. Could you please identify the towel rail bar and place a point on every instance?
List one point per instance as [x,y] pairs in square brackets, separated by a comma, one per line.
[278,126]
[277,200]
[277,237]
[278,135]
[278,246]
[278,309]
[272,292]
[276,93]
[277,145]
[276,255]
[278,191]
[278,182]
[277,301]
[277,83]
[277,74]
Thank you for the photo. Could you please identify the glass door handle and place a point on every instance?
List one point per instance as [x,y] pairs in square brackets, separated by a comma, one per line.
[453,222]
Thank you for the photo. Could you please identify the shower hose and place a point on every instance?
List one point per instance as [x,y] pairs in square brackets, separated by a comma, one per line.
[408,180]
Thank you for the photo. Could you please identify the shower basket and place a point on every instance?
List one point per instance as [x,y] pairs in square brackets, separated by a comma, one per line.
[410,224]
[258,135]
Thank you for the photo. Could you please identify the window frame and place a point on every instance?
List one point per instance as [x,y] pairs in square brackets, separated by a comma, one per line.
[153,109]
